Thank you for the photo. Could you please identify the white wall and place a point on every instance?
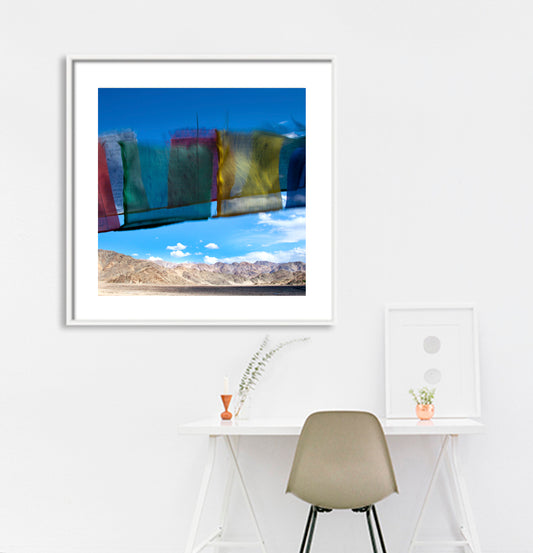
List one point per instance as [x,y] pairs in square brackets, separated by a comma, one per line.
[434,203]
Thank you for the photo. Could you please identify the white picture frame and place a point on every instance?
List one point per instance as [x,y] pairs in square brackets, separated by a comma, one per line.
[435,346]
[85,74]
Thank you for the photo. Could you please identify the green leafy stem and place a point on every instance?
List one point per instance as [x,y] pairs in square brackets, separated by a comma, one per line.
[256,367]
[423,396]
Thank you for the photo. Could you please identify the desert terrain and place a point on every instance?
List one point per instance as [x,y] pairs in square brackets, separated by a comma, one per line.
[122,275]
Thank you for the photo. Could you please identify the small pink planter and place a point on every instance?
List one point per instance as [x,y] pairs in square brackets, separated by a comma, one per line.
[425,412]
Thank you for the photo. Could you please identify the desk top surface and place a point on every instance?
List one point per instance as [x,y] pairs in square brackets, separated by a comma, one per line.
[293,426]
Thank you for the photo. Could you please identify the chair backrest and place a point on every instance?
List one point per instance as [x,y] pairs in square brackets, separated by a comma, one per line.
[342,461]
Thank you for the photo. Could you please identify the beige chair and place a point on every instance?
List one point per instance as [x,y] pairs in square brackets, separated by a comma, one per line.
[342,462]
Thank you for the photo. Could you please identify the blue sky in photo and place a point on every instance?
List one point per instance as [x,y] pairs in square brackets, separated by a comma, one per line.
[154,114]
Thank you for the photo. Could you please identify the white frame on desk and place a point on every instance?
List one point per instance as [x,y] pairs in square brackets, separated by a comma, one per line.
[400,372]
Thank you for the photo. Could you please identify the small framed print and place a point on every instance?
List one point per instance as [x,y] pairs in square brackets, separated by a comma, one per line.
[433,346]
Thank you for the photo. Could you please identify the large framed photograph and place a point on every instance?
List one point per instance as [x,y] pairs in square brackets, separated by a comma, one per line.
[214,180]
[434,346]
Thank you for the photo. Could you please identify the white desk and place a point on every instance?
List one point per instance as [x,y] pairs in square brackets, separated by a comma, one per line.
[231,431]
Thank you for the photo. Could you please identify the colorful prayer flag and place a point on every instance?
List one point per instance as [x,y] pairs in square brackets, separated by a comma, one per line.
[107,212]
[248,175]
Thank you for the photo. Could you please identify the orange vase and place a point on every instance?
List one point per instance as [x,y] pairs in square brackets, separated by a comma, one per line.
[425,412]
[226,415]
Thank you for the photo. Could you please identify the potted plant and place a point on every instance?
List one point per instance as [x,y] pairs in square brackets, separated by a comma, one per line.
[424,402]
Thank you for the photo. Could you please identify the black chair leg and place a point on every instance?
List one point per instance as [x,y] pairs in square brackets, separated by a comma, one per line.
[311,529]
[371,509]
[306,532]
[370,531]
[381,540]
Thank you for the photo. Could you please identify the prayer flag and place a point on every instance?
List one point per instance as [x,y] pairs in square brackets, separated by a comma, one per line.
[248,175]
[107,212]
[296,179]
[113,154]
[146,189]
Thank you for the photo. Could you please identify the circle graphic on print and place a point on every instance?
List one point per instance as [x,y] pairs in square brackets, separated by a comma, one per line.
[432,376]
[431,344]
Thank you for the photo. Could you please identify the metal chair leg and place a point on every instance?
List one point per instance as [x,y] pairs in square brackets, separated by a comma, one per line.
[311,529]
[306,531]
[370,531]
[380,534]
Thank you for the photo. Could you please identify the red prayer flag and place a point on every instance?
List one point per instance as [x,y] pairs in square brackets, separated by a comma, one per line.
[107,212]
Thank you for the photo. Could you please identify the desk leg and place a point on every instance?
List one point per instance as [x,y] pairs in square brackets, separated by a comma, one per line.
[466,519]
[471,532]
[245,491]
[227,493]
[200,502]
[442,451]
[457,502]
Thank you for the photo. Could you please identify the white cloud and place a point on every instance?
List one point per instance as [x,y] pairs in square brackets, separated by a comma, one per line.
[179,253]
[135,254]
[296,254]
[211,246]
[284,230]
[152,258]
[210,260]
[177,247]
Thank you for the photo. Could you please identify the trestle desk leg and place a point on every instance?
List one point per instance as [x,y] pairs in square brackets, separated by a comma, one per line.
[457,502]
[233,457]
[462,493]
[200,502]
[428,493]
[227,493]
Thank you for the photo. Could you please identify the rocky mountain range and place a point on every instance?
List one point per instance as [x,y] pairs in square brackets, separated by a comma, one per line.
[117,268]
